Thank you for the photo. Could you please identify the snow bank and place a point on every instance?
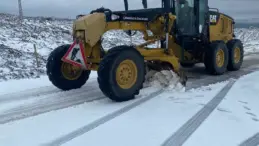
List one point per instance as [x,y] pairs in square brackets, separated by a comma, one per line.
[45,33]
[249,37]
[16,44]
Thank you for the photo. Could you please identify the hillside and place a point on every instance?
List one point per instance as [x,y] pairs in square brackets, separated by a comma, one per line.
[17,52]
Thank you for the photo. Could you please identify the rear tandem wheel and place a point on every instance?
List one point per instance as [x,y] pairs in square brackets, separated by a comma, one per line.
[216,58]
[236,54]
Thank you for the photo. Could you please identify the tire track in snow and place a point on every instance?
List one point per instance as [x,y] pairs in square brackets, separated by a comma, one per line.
[182,134]
[61,140]
[252,141]
[50,103]
[34,93]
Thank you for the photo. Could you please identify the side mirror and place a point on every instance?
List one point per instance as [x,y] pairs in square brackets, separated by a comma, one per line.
[181,2]
[144,2]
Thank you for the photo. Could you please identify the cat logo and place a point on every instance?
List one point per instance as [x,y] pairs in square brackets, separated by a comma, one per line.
[213,18]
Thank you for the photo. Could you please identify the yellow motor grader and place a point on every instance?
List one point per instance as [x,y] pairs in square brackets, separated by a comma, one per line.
[188,30]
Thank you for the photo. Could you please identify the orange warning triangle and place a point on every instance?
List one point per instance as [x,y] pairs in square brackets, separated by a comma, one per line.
[75,55]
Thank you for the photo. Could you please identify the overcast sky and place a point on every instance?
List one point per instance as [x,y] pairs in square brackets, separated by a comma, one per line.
[70,8]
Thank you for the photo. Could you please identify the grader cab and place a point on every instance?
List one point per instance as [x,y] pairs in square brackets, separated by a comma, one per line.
[188,30]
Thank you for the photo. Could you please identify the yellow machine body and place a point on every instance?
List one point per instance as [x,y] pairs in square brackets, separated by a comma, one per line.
[90,29]
[121,69]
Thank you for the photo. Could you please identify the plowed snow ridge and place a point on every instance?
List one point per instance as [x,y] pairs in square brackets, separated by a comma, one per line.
[34,93]
[51,102]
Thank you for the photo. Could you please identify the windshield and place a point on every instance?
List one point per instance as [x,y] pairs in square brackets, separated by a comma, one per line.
[133,5]
[185,16]
[138,4]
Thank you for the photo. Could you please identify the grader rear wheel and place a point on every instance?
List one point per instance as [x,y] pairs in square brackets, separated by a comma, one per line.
[236,54]
[216,58]
[121,73]
[63,75]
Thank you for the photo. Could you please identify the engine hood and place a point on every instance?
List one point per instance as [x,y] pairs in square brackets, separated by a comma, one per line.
[93,26]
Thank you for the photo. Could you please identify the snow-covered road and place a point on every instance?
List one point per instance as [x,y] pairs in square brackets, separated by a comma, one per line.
[236,117]
[33,112]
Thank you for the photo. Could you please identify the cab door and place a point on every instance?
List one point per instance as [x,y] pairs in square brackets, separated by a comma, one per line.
[185,12]
[192,17]
[202,16]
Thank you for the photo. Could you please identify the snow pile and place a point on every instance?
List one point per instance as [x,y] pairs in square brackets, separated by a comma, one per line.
[249,37]
[166,79]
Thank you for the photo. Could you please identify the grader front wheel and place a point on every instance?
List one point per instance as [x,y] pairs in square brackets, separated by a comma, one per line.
[70,72]
[121,73]
[63,75]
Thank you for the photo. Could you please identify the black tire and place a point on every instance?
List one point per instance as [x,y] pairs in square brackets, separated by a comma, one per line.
[211,57]
[187,65]
[107,73]
[54,72]
[232,45]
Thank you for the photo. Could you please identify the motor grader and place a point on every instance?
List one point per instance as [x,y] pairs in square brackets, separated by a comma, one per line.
[188,30]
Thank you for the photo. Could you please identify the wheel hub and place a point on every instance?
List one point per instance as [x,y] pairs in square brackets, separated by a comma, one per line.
[70,72]
[237,55]
[126,74]
[220,58]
